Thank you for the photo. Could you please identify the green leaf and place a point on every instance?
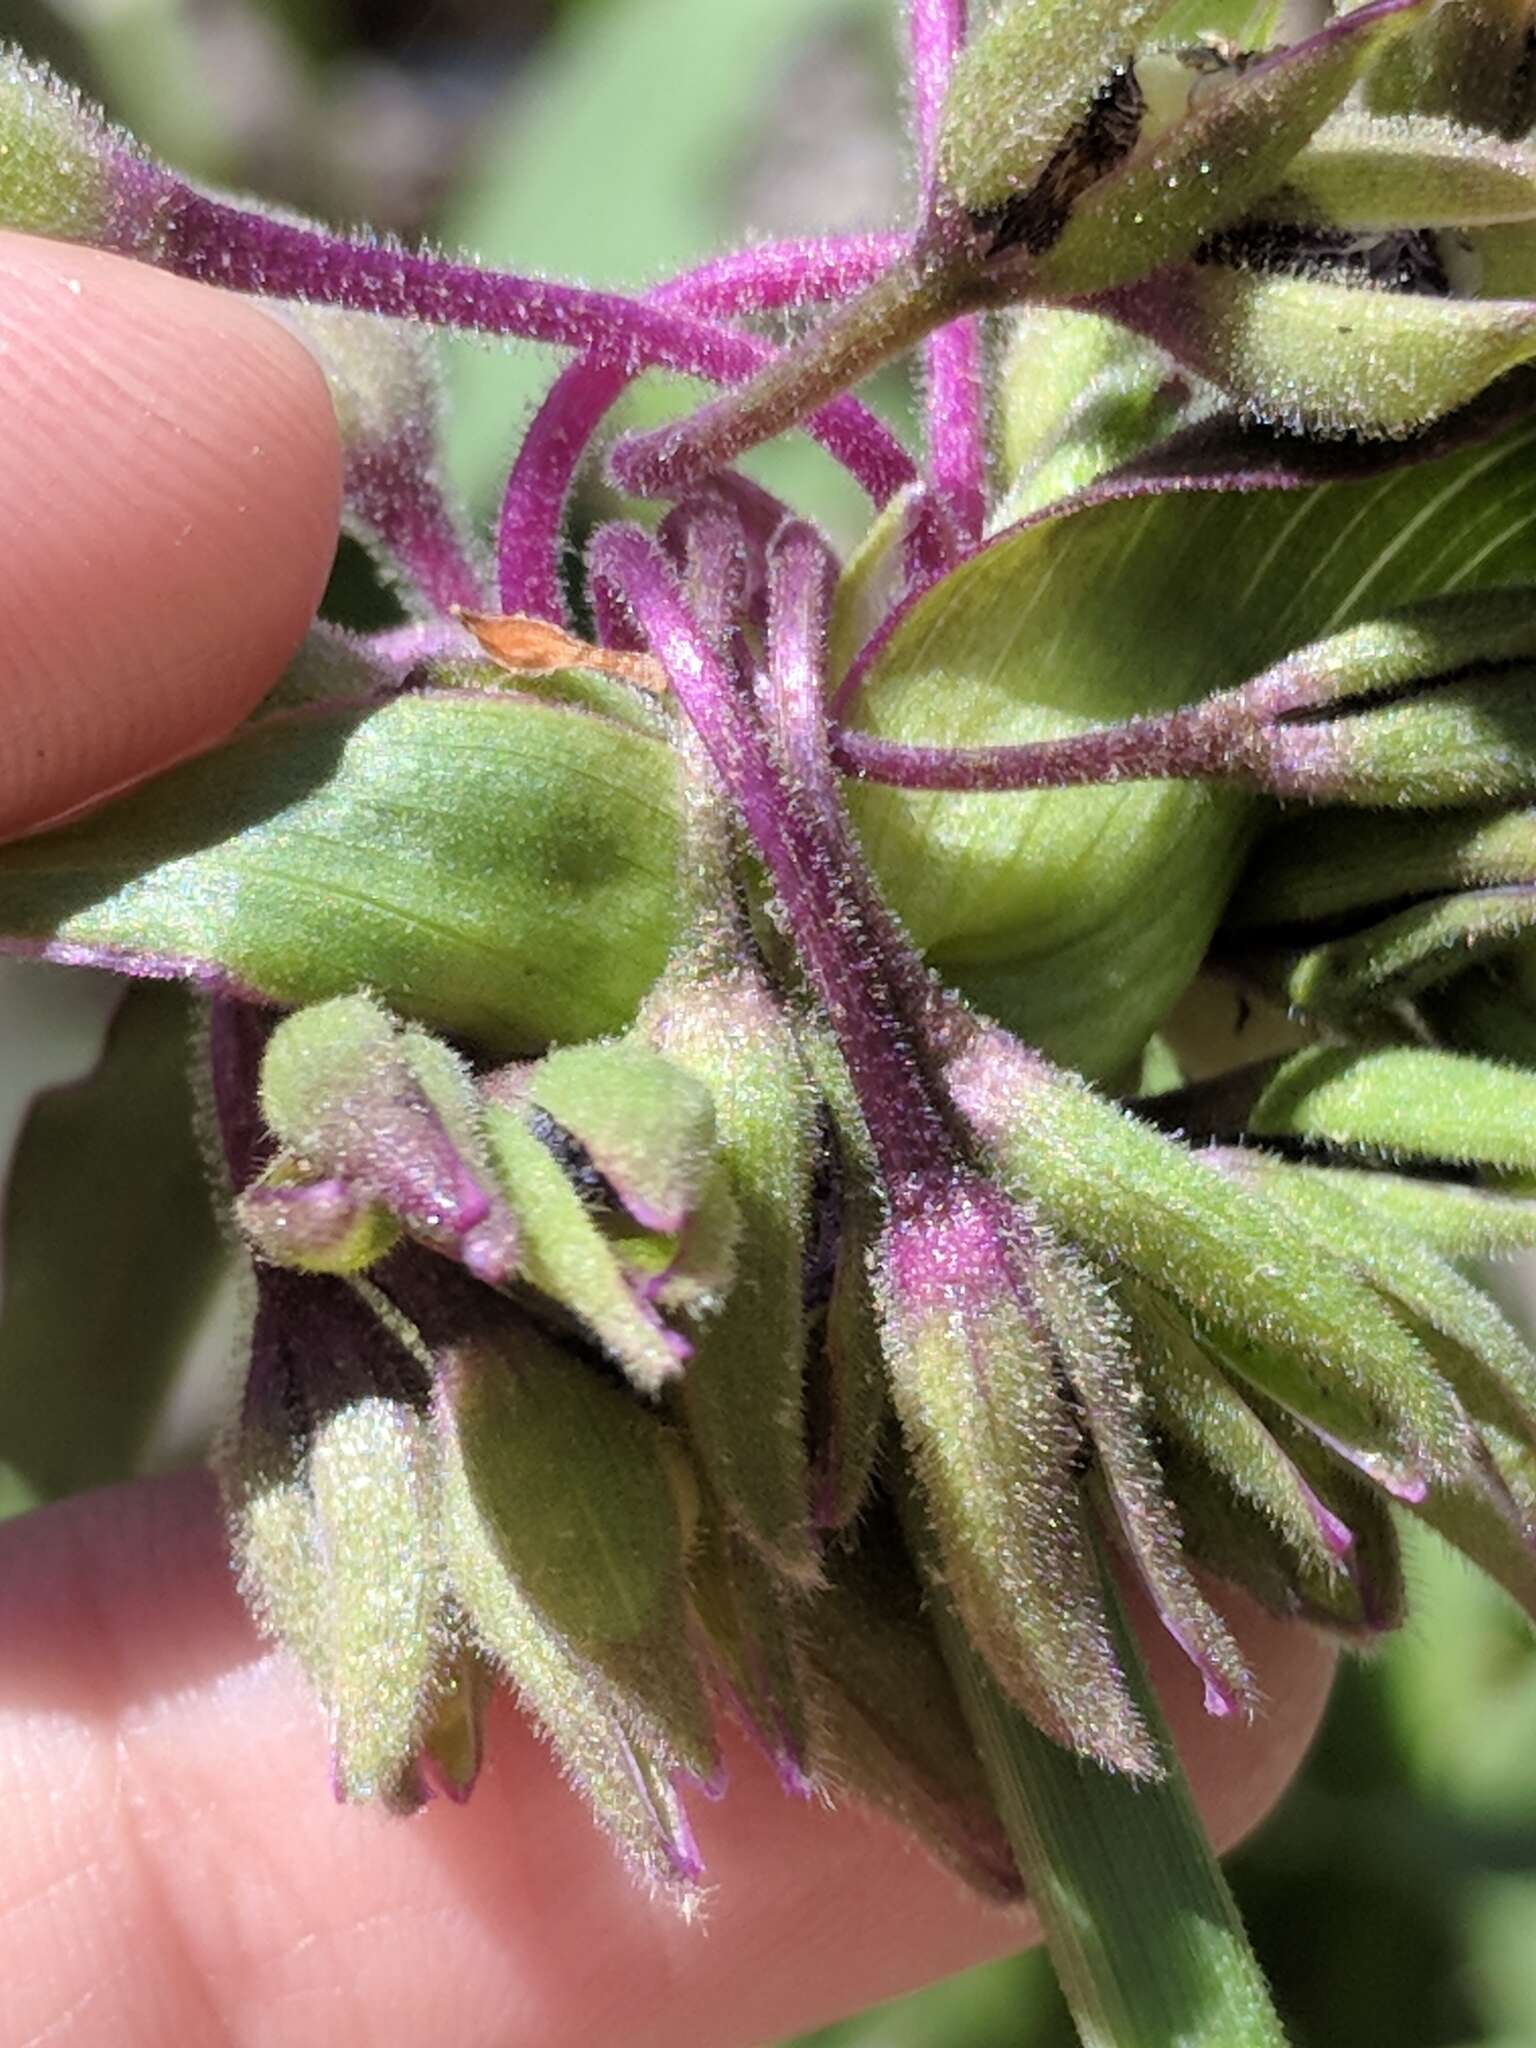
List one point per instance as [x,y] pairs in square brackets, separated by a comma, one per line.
[111,1252]
[1457,1221]
[494,866]
[1119,888]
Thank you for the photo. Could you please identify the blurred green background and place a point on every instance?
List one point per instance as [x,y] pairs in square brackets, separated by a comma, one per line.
[1393,1898]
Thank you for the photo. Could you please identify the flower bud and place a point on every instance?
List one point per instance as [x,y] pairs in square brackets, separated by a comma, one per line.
[64,172]
[1366,173]
[316,1226]
[1078,395]
[331,1485]
[1317,356]
[1468,62]
[1285,1316]
[849,1405]
[754,1629]
[392,1112]
[1040,97]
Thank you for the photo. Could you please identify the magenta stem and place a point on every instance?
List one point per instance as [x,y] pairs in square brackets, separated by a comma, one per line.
[748,281]
[820,898]
[954,384]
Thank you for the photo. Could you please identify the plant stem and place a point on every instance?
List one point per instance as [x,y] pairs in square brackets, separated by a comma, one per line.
[1142,1929]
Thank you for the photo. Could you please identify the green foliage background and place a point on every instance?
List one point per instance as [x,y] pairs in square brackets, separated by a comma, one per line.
[1393,1898]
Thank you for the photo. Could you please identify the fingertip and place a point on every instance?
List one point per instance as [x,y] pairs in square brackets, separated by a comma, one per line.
[169,498]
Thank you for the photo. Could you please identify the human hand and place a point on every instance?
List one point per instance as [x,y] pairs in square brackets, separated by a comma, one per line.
[168,496]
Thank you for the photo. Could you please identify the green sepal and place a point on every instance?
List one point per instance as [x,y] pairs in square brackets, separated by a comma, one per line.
[754,1627]
[1315,356]
[370,1473]
[1178,186]
[688,1272]
[289,1217]
[976,1370]
[1236,1541]
[1469,63]
[567,1481]
[493,866]
[393,1112]
[849,1404]
[1495,1528]
[1364,172]
[1457,1221]
[330,1482]
[1274,1304]
[888,1728]
[743,1396]
[1476,1349]
[595,1731]
[564,1252]
[647,1124]
[1022,84]
[1404,1102]
[1322,865]
[1130,1492]
[1216,1429]
[1401,956]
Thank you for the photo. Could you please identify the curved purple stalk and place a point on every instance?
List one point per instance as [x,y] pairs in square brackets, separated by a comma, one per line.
[748,281]
[821,898]
[1181,745]
[954,386]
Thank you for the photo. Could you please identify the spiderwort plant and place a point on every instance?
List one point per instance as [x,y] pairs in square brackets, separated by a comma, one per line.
[716,1086]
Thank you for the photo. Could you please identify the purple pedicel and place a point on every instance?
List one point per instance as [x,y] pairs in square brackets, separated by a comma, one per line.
[395,494]
[821,899]
[1183,744]
[223,245]
[753,281]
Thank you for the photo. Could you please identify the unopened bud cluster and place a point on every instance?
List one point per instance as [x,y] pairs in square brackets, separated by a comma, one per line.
[728,1134]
